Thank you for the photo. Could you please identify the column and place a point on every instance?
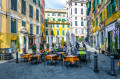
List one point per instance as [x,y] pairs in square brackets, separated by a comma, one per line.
[27,43]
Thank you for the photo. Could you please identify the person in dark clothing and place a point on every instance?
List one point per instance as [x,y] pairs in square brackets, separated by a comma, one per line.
[77,44]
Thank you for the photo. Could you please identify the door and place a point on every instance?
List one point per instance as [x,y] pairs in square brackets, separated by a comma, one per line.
[13,45]
[110,35]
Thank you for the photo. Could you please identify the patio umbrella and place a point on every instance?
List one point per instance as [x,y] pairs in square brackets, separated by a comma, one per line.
[50,43]
[37,40]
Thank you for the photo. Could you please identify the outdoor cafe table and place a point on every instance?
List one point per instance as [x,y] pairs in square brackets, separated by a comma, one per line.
[51,57]
[82,54]
[71,58]
[31,56]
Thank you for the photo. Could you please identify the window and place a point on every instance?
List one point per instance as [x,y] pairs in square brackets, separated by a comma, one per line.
[75,10]
[75,18]
[23,7]
[63,20]
[14,5]
[82,23]
[57,32]
[109,12]
[100,17]
[59,14]
[37,14]
[53,25]
[63,26]
[46,25]
[76,31]
[53,19]
[75,23]
[71,11]
[97,2]
[48,14]
[53,14]
[81,18]
[34,1]
[23,23]
[52,32]
[81,4]
[68,26]
[93,6]
[46,32]
[82,30]
[63,32]
[57,25]
[31,29]
[71,23]
[37,29]
[13,25]
[63,15]
[75,3]
[96,21]
[81,10]
[31,11]
[113,5]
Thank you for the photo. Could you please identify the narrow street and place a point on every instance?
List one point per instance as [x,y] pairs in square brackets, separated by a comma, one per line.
[24,70]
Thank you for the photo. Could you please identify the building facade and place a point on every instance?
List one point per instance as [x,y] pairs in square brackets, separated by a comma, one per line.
[105,14]
[76,15]
[16,14]
[56,24]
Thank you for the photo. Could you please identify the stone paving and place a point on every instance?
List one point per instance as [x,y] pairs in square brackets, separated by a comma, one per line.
[23,70]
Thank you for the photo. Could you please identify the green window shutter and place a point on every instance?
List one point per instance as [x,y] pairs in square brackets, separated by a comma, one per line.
[34,1]
[100,17]
[31,11]
[96,21]
[13,26]
[109,10]
[57,32]
[68,26]
[63,32]
[53,19]
[97,2]
[46,32]
[46,25]
[14,5]
[57,25]
[82,23]
[37,14]
[51,32]
[63,26]
[113,5]
[37,29]
[93,6]
[31,29]
[23,7]
[23,23]
[53,25]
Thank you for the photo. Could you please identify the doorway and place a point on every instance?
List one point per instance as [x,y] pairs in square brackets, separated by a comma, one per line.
[110,35]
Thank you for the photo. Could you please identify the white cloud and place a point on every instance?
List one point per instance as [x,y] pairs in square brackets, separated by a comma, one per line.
[56,4]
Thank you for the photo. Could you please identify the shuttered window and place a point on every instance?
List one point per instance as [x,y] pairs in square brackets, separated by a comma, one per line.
[96,21]
[23,7]
[109,10]
[82,23]
[52,32]
[34,1]
[75,23]
[63,26]
[31,11]
[23,23]
[57,25]
[113,5]
[100,17]
[13,25]
[37,14]
[93,6]
[75,10]
[57,32]
[53,25]
[14,5]
[37,29]
[31,29]
[63,32]
[68,26]
[46,32]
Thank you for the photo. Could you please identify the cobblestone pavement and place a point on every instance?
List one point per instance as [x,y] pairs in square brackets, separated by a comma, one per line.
[23,70]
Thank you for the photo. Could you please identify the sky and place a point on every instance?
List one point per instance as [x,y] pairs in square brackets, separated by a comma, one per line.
[55,4]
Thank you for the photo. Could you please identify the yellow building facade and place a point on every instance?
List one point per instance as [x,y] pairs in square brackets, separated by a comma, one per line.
[56,24]
[104,16]
[16,14]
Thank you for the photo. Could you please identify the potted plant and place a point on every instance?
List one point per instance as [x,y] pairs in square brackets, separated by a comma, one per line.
[33,47]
